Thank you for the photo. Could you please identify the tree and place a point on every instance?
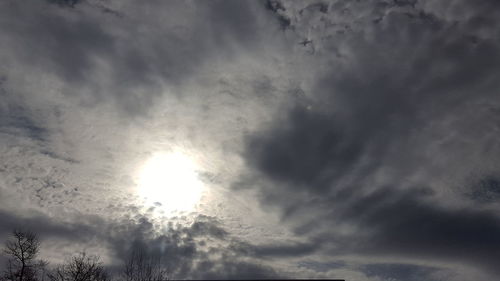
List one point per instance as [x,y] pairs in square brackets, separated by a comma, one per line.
[80,268]
[22,251]
[141,266]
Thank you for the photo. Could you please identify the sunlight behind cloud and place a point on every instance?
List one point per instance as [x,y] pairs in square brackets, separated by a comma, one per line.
[171,180]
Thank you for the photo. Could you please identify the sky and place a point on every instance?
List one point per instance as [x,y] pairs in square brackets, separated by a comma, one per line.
[256,139]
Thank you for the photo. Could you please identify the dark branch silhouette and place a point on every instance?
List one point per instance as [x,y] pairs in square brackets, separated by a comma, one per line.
[140,266]
[22,250]
[80,268]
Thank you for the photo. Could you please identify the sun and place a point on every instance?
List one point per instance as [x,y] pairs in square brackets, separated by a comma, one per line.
[170,179]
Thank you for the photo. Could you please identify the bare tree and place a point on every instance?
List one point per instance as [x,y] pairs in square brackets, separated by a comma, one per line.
[141,266]
[80,268]
[22,251]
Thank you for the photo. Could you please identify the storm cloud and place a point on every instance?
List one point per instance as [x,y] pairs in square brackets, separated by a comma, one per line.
[389,128]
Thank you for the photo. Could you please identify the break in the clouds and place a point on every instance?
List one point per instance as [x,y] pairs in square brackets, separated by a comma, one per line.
[338,139]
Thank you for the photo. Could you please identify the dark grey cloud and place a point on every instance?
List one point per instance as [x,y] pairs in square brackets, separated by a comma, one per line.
[70,3]
[135,59]
[308,149]
[23,122]
[277,8]
[228,269]
[370,121]
[381,95]
[267,251]
[82,228]
[17,120]
[185,249]
[485,190]
[188,250]
[405,224]
[399,271]
[322,266]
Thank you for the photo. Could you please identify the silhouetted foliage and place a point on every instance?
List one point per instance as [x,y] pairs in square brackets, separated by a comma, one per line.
[141,266]
[22,250]
[80,268]
[22,264]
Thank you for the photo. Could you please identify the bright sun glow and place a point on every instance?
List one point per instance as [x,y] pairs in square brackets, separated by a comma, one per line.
[171,180]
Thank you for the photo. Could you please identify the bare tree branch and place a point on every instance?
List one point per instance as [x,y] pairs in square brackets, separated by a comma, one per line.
[80,268]
[143,267]
[22,251]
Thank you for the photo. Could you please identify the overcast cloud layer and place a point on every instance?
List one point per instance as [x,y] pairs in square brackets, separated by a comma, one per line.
[337,139]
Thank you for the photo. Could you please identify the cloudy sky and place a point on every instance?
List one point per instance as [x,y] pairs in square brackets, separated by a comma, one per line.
[256,139]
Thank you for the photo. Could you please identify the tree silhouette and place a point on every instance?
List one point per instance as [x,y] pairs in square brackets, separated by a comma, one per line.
[22,265]
[82,267]
[22,251]
[141,266]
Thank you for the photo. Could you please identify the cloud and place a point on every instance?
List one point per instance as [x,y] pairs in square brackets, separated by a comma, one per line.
[382,119]
[194,250]
[485,190]
[378,138]
[199,250]
[16,121]
[70,3]
[283,249]
[127,60]
[309,150]
[399,271]
[85,91]
[407,225]
[44,226]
